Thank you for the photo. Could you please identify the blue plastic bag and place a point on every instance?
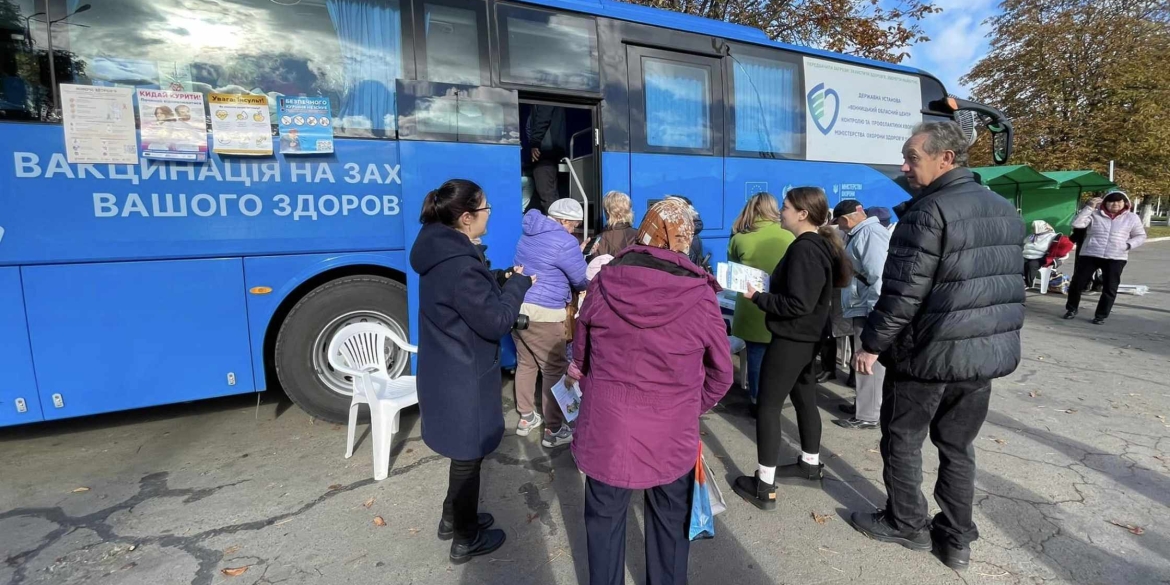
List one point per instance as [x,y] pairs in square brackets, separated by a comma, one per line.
[702,520]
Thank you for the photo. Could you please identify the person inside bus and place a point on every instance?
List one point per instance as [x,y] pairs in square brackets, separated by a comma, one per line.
[796,311]
[619,231]
[549,251]
[1113,229]
[463,314]
[547,143]
[757,241]
[651,356]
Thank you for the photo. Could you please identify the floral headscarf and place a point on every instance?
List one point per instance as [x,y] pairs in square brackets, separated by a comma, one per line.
[667,225]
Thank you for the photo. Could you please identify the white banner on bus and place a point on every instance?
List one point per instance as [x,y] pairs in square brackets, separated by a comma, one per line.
[857,114]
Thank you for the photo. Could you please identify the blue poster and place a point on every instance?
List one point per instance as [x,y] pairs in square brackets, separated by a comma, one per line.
[306,125]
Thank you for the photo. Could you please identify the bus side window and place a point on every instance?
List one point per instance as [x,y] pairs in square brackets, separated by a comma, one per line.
[767,106]
[347,50]
[454,46]
[547,49]
[678,106]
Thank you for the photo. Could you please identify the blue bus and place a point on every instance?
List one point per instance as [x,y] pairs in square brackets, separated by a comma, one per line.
[129,282]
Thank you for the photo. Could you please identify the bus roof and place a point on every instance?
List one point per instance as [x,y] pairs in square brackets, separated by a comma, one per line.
[689,23]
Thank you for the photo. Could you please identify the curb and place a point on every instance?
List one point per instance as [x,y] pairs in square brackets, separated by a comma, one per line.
[1166,239]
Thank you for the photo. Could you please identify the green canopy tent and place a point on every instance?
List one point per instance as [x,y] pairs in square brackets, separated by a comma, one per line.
[1050,196]
[1058,205]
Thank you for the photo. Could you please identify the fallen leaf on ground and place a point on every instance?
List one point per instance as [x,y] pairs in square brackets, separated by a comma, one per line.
[874,451]
[532,517]
[80,489]
[231,550]
[1000,441]
[1034,393]
[335,486]
[369,502]
[1138,530]
[1069,411]
[703,433]
[234,571]
[128,566]
[821,518]
[409,451]
[415,530]
[378,521]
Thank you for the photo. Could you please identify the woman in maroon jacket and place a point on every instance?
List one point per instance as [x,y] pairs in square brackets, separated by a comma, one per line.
[651,354]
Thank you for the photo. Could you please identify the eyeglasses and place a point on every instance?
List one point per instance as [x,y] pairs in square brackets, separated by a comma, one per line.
[487,208]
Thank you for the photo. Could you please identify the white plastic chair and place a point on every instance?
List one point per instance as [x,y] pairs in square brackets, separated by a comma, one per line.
[359,350]
[1047,272]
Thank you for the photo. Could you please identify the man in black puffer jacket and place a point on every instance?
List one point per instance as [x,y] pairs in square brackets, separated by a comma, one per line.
[947,323]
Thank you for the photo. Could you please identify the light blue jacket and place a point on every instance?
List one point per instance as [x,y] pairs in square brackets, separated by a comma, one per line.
[869,242]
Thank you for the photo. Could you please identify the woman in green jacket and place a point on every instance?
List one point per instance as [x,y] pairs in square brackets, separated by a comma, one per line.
[758,241]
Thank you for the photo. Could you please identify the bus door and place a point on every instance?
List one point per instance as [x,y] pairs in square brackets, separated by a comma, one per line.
[566,161]
[676,131]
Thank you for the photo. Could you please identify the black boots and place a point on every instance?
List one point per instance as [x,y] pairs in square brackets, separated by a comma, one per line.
[876,526]
[447,527]
[801,470]
[756,492]
[486,542]
[1070,315]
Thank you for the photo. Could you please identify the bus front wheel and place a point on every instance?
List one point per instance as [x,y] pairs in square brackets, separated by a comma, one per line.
[302,365]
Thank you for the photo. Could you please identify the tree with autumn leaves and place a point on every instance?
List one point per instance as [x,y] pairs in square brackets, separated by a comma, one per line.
[875,29]
[1084,82]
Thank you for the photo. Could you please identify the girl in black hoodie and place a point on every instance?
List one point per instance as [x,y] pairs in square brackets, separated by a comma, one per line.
[796,309]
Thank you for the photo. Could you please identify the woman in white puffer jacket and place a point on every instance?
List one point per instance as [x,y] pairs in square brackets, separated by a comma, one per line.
[1036,248]
[1113,230]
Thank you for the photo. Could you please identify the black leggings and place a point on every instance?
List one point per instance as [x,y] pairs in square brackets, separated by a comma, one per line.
[787,369]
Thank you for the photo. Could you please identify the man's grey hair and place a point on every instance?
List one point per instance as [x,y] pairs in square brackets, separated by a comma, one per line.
[942,136]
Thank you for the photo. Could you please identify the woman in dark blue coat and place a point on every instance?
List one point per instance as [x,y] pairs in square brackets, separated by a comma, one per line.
[463,314]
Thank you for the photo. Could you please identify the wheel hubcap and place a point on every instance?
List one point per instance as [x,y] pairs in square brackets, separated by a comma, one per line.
[396,358]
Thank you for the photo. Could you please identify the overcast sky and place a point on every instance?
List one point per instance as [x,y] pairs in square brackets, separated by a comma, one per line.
[958,39]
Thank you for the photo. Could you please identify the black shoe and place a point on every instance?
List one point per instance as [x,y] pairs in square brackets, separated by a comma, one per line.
[754,410]
[801,470]
[756,492]
[1098,320]
[1070,315]
[875,526]
[447,527]
[850,409]
[856,423]
[485,543]
[952,555]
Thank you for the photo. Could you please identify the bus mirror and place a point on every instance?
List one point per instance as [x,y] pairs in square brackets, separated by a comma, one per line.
[1001,144]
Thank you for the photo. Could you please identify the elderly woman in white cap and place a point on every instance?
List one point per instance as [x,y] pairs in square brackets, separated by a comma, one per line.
[548,251]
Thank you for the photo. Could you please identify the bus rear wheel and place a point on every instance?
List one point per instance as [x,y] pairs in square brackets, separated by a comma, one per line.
[302,365]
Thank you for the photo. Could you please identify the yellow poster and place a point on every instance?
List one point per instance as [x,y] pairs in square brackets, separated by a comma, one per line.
[240,124]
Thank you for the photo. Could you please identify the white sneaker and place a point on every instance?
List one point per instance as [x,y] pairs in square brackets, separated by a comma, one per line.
[527,423]
[563,436]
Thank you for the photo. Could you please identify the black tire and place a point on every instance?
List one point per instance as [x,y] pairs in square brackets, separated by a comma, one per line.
[301,365]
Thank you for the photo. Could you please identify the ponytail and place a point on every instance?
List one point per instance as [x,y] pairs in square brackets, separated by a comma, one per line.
[842,266]
[450,201]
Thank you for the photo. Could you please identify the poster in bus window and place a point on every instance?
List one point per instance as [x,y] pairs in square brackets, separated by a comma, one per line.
[99,124]
[240,124]
[858,114]
[306,125]
[173,124]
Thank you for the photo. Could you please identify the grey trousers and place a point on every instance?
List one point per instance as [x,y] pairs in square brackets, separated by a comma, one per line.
[869,388]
